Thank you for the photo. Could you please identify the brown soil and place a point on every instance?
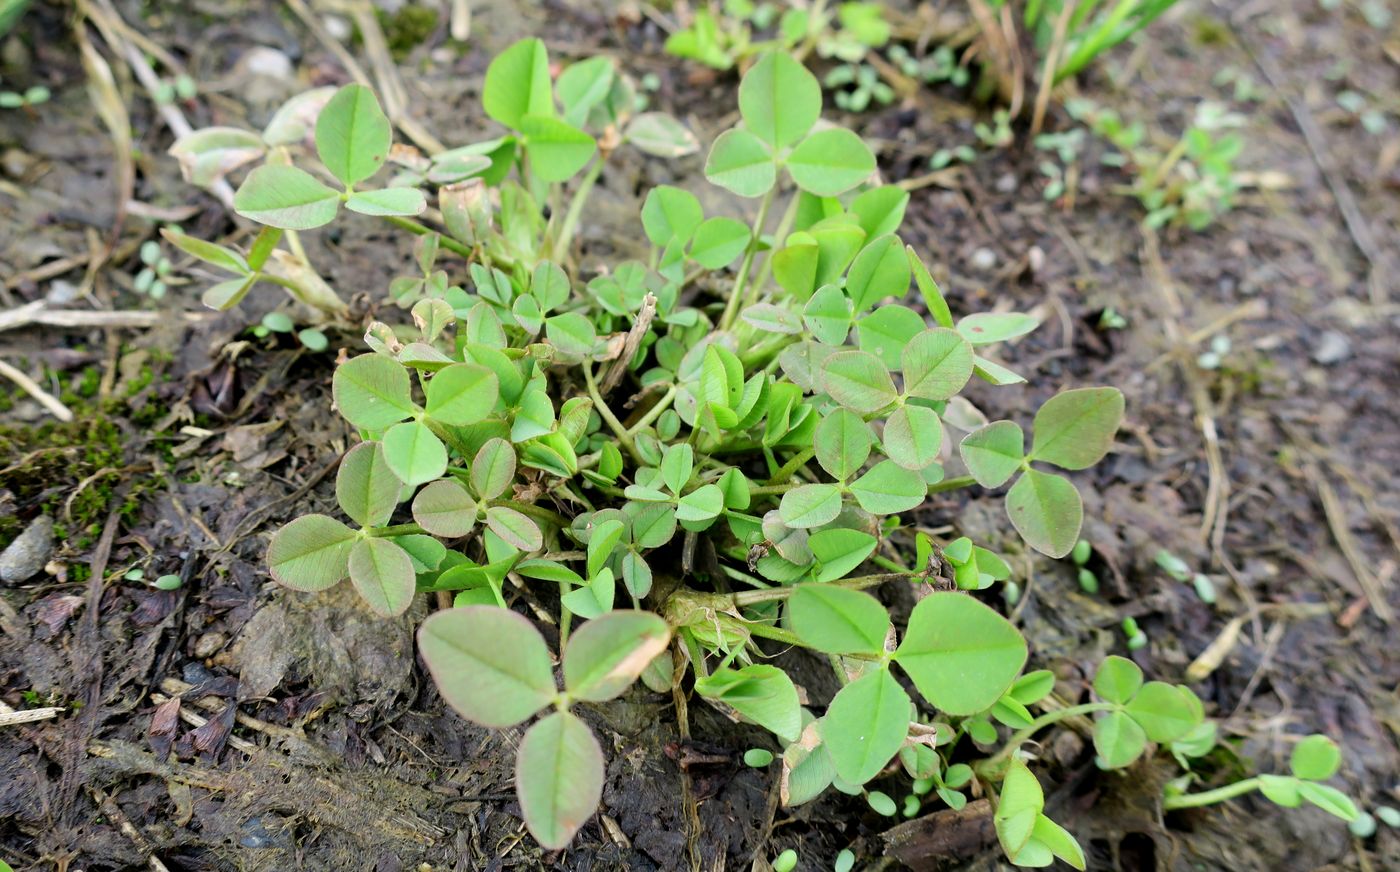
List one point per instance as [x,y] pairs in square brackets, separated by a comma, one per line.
[1275,474]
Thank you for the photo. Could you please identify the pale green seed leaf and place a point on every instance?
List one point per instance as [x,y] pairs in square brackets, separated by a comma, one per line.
[661,135]
[226,295]
[1329,799]
[1047,511]
[607,654]
[961,654]
[837,620]
[311,553]
[215,255]
[285,197]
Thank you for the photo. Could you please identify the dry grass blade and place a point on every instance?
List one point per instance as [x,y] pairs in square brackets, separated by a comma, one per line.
[107,102]
[31,387]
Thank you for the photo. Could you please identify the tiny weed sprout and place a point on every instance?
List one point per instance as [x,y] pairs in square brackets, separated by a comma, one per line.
[685,459]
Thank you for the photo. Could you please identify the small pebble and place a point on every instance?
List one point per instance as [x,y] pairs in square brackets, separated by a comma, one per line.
[984,259]
[209,644]
[25,556]
[1332,347]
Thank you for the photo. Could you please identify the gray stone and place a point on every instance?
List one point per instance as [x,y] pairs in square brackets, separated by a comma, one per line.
[28,553]
[1332,347]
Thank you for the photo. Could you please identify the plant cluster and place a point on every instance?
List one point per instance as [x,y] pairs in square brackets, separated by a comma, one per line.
[1191,183]
[680,458]
[742,29]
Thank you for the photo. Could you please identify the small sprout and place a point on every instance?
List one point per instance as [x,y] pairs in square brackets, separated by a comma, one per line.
[278,322]
[1363,826]
[1173,565]
[313,339]
[1081,553]
[786,861]
[135,574]
[758,757]
[150,252]
[1110,319]
[167,582]
[1219,347]
[1388,815]
[881,803]
[1011,592]
[845,861]
[1205,588]
[1136,637]
[922,785]
[911,805]
[185,87]
[1088,581]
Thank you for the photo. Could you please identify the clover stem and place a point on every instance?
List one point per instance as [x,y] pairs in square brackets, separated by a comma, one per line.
[575,211]
[795,462]
[777,634]
[395,530]
[417,229]
[607,415]
[949,484]
[697,656]
[1210,797]
[784,224]
[736,294]
[1046,720]
[655,411]
[892,565]
[772,489]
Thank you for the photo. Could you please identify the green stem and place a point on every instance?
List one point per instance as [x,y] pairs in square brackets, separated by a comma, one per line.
[395,530]
[417,229]
[773,488]
[655,411]
[1046,720]
[785,472]
[607,415]
[949,484]
[736,294]
[571,217]
[697,655]
[1211,797]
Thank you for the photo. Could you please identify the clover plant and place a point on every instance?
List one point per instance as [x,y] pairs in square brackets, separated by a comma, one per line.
[710,448]
[741,29]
